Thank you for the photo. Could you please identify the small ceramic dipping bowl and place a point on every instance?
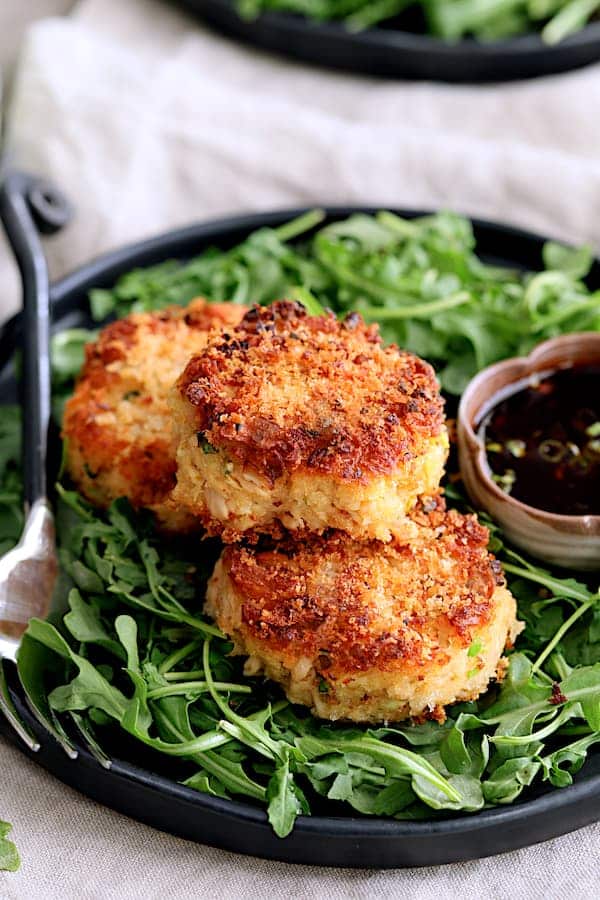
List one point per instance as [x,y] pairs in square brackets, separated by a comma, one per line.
[562,540]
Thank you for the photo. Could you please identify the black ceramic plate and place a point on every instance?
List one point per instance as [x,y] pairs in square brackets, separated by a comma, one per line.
[392,52]
[342,841]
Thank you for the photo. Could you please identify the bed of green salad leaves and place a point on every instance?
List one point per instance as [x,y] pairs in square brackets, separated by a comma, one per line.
[449,20]
[137,666]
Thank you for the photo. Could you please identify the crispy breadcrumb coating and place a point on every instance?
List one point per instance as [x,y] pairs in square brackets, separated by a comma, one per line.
[309,423]
[369,631]
[117,424]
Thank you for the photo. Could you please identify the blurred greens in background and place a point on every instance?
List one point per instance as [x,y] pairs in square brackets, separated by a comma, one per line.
[451,20]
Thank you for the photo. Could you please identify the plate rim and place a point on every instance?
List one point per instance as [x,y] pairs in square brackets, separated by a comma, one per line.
[393,53]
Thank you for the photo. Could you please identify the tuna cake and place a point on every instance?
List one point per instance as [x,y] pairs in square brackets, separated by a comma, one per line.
[308,423]
[117,424]
[370,632]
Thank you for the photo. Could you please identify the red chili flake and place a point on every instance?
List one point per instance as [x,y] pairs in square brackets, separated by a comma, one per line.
[557,695]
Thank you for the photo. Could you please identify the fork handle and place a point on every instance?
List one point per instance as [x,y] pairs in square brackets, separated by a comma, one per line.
[29,206]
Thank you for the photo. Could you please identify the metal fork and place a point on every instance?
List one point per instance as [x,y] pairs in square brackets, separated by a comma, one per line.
[28,573]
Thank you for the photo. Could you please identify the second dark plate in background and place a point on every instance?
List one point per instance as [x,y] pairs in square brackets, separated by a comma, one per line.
[393,53]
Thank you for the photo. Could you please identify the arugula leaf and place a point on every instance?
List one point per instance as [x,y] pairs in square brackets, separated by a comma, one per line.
[394,798]
[467,789]
[575,261]
[9,855]
[508,780]
[224,776]
[396,761]
[89,689]
[207,784]
[462,754]
[285,802]
[560,765]
[583,686]
[67,351]
[85,624]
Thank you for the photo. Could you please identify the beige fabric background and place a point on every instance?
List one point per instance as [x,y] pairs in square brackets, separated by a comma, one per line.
[15,16]
[148,121]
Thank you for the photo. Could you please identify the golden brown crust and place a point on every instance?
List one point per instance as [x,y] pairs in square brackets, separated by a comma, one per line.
[284,391]
[353,607]
[118,423]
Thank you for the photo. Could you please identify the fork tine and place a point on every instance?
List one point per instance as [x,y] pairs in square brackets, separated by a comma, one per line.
[51,724]
[37,701]
[7,707]
[33,668]
[90,741]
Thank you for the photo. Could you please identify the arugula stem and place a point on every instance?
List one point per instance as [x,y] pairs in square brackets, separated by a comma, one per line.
[298,226]
[453,20]
[580,611]
[547,678]
[9,497]
[251,734]
[210,740]
[561,665]
[375,12]
[192,621]
[559,588]
[416,310]
[182,676]
[237,734]
[199,687]
[378,291]
[178,655]
[543,706]
[561,315]
[514,740]
[571,18]
[577,746]
[73,501]
[166,598]
[308,301]
[404,228]
[202,626]
[538,706]
[211,762]
[243,785]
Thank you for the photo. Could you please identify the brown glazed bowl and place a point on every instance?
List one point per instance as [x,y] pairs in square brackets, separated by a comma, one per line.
[569,541]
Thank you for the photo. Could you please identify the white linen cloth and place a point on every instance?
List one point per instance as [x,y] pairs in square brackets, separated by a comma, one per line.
[148,121]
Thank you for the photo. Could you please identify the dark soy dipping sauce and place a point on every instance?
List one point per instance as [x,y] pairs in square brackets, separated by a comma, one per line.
[543,442]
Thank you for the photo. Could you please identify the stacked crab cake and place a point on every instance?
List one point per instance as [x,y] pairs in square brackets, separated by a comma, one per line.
[117,424]
[369,631]
[317,453]
[306,423]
